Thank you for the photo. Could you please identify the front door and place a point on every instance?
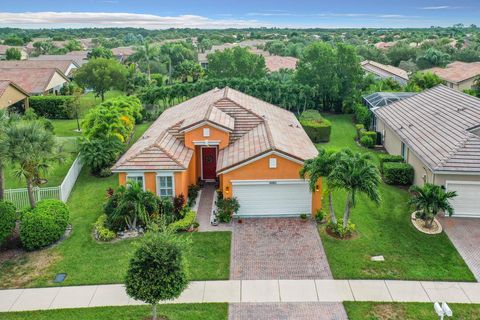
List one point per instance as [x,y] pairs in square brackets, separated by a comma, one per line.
[209,163]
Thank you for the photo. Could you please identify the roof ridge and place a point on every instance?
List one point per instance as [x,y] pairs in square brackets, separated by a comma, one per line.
[454,151]
[209,112]
[170,155]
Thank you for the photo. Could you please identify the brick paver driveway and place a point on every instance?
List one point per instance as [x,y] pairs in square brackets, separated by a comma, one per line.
[277,249]
[287,311]
[465,235]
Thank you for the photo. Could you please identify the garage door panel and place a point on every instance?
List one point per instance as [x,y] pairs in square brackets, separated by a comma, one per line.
[273,199]
[467,201]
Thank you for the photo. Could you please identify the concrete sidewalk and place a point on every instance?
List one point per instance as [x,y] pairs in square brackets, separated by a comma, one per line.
[248,291]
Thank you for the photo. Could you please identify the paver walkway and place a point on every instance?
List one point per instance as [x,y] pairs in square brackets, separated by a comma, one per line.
[274,248]
[465,236]
[204,210]
[280,296]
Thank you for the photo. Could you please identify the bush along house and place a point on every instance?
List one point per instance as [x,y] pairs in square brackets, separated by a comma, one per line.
[252,149]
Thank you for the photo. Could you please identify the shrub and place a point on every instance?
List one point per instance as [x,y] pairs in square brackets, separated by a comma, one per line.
[178,204]
[317,128]
[367,142]
[101,231]
[371,134]
[226,208]
[303,216]
[362,115]
[43,225]
[320,216]
[185,223]
[8,218]
[340,231]
[398,173]
[358,128]
[53,107]
[383,158]
[193,191]
[99,154]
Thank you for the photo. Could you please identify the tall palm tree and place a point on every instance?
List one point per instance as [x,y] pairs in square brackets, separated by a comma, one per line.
[355,173]
[430,200]
[320,166]
[32,149]
[146,54]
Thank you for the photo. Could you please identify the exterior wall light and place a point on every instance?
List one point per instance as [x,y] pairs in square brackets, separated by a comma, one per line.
[317,188]
[227,190]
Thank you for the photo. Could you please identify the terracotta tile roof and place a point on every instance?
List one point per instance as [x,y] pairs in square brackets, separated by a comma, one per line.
[385,45]
[33,81]
[3,48]
[275,63]
[4,84]
[383,70]
[123,51]
[61,65]
[258,127]
[436,124]
[457,71]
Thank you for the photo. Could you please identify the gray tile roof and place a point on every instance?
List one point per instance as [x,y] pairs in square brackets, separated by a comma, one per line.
[436,124]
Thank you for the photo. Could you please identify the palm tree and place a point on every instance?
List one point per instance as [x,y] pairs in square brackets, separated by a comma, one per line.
[32,149]
[146,54]
[134,205]
[5,121]
[429,200]
[320,166]
[355,173]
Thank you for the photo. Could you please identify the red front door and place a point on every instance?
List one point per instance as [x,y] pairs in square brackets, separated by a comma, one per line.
[209,163]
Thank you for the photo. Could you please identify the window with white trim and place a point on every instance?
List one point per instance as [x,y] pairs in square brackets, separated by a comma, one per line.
[137,178]
[206,132]
[272,163]
[165,186]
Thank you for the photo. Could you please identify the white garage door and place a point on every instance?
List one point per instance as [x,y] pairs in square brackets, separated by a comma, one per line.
[467,201]
[272,198]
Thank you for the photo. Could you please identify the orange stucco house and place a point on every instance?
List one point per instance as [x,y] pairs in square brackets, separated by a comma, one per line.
[252,148]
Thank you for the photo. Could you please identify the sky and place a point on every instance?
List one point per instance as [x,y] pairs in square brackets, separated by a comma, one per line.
[160,14]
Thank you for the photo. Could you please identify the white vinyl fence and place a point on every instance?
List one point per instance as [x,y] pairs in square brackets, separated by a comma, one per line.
[19,197]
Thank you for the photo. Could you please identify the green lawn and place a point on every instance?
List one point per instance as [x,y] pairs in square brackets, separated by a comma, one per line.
[87,261]
[212,311]
[89,100]
[54,176]
[407,311]
[66,128]
[386,230]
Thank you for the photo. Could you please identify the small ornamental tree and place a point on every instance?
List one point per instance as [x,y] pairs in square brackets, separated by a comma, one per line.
[157,270]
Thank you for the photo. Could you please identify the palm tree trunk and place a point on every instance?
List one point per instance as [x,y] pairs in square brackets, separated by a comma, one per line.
[148,72]
[154,312]
[31,197]
[2,181]
[333,218]
[346,213]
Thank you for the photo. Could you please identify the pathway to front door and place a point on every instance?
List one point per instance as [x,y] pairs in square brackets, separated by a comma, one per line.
[280,248]
[205,210]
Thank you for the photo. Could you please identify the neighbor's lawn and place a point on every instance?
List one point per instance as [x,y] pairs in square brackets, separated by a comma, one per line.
[87,261]
[211,311]
[407,311]
[386,230]
[89,100]
[66,128]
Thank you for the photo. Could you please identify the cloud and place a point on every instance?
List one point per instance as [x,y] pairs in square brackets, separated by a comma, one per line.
[108,19]
[439,8]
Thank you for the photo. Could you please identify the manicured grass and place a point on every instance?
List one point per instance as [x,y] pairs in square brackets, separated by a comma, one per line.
[407,311]
[386,230]
[212,311]
[89,100]
[87,261]
[66,128]
[54,176]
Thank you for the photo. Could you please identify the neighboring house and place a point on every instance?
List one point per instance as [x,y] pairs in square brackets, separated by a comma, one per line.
[383,71]
[4,48]
[381,99]
[11,93]
[275,63]
[438,133]
[80,57]
[385,45]
[252,148]
[458,75]
[122,53]
[65,66]
[35,81]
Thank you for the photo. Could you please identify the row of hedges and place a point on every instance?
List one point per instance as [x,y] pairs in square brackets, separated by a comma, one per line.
[53,107]
[317,128]
[395,171]
[44,224]
[8,217]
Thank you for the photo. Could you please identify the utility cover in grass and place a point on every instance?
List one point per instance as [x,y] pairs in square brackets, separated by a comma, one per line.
[377,258]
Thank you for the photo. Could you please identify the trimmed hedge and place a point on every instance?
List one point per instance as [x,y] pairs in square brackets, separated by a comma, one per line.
[52,107]
[317,128]
[383,158]
[185,223]
[398,173]
[367,141]
[44,224]
[359,128]
[8,217]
